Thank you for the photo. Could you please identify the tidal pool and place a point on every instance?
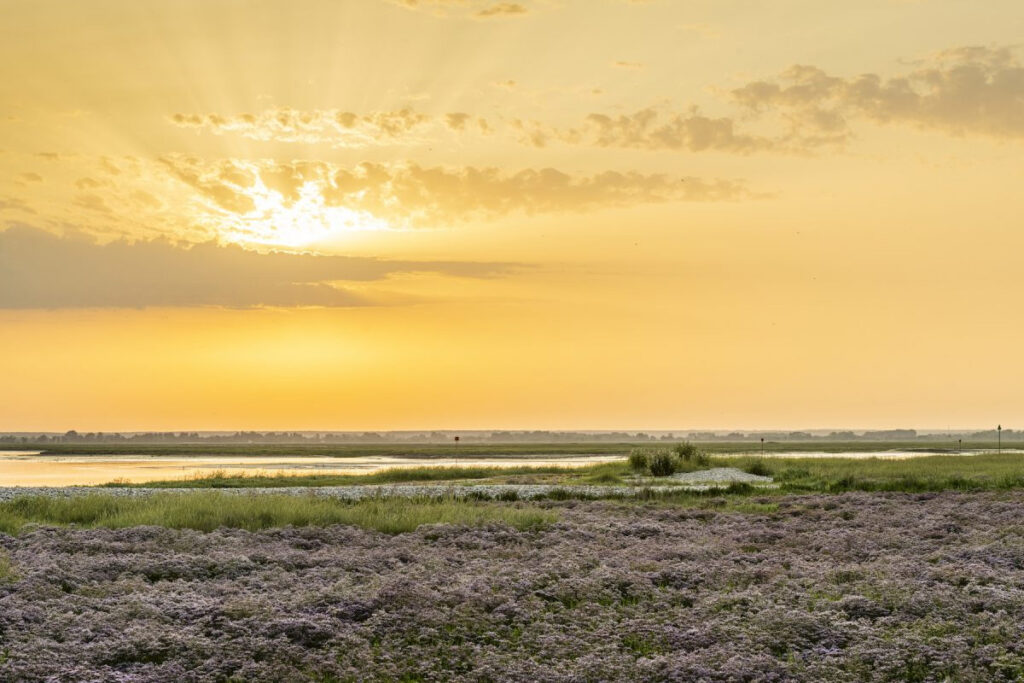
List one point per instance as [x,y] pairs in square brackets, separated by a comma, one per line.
[29,468]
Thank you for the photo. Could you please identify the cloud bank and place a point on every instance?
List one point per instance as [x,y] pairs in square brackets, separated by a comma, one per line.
[341,128]
[41,270]
[410,194]
[962,91]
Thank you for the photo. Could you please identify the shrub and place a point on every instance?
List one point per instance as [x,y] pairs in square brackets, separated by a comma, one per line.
[663,464]
[687,452]
[639,460]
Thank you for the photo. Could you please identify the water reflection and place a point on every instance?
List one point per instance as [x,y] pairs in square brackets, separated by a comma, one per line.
[26,468]
[29,468]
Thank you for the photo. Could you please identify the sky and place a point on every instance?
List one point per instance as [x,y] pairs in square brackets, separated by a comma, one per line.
[478,214]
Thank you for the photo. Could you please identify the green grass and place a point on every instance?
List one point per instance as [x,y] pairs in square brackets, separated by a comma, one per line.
[937,445]
[206,511]
[7,573]
[395,475]
[610,473]
[925,473]
[793,475]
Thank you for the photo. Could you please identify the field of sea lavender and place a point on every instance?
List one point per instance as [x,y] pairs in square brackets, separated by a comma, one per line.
[847,587]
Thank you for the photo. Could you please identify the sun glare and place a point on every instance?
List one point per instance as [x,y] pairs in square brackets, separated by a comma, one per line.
[278,221]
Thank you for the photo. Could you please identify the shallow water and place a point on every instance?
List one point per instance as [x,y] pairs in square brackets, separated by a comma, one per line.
[26,468]
[29,468]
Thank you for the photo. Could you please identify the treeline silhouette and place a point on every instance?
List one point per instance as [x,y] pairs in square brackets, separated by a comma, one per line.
[535,436]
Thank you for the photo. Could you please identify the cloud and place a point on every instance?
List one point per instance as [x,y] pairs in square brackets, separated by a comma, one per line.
[478,9]
[92,202]
[410,194]
[41,270]
[502,9]
[15,204]
[962,91]
[702,30]
[653,130]
[88,183]
[648,128]
[457,120]
[341,128]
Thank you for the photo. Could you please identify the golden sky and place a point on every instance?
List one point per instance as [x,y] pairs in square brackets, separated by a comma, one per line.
[551,214]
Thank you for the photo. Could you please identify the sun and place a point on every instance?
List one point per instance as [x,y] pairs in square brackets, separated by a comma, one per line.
[295,223]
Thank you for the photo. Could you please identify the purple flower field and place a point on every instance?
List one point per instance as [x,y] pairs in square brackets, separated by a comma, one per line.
[844,587]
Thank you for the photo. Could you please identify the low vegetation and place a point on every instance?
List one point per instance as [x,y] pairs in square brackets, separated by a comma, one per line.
[7,573]
[395,475]
[792,475]
[989,471]
[206,511]
[850,587]
[664,462]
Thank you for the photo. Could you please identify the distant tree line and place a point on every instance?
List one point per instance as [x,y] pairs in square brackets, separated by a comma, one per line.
[536,436]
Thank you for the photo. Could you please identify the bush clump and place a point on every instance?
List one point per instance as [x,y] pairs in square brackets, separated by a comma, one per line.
[687,452]
[639,460]
[663,464]
[683,457]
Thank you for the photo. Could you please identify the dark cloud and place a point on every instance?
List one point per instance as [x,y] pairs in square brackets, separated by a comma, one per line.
[41,270]
[969,90]
[457,120]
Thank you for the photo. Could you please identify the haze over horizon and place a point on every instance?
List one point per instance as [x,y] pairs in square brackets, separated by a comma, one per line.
[544,214]
[682,432]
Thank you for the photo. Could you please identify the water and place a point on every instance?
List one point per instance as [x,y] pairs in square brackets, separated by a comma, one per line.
[29,468]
